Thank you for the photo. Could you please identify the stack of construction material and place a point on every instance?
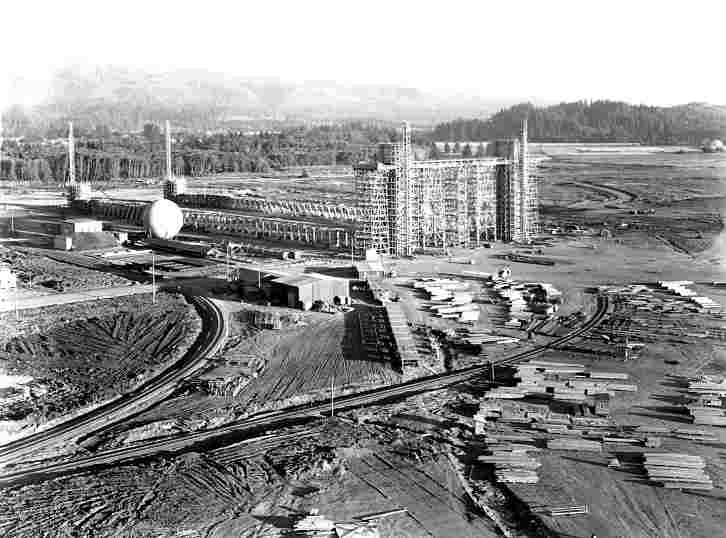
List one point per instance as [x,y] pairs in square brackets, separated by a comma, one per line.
[574,443]
[569,511]
[677,287]
[569,382]
[509,411]
[709,404]
[708,385]
[706,303]
[481,338]
[451,298]
[707,413]
[680,471]
[505,393]
[700,436]
[512,464]
[496,437]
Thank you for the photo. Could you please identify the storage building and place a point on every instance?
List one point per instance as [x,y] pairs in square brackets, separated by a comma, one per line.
[301,291]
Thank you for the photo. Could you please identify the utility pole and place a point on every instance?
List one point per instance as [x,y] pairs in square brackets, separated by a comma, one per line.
[332,389]
[153,279]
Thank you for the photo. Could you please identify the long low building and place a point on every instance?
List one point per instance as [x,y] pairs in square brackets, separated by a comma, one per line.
[302,232]
[295,290]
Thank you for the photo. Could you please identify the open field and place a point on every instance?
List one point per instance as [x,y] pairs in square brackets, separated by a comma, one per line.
[78,361]
[296,363]
[44,274]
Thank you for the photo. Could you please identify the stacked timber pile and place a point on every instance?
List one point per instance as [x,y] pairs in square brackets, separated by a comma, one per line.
[569,511]
[709,411]
[474,337]
[451,299]
[539,417]
[513,464]
[405,348]
[709,404]
[678,471]
[708,385]
[574,443]
[569,382]
[655,432]
[699,436]
[680,288]
[506,393]
[524,301]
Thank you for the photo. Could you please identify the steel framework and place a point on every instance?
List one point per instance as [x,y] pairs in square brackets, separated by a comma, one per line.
[405,205]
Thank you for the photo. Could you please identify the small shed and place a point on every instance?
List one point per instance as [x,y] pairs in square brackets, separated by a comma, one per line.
[8,279]
[370,270]
[72,226]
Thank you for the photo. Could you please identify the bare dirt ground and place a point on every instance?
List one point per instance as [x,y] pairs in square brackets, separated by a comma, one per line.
[85,354]
[43,274]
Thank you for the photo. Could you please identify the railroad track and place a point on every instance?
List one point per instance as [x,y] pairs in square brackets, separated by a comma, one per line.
[235,431]
[152,391]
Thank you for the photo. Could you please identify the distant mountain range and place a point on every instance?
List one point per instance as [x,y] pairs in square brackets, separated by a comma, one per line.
[124,99]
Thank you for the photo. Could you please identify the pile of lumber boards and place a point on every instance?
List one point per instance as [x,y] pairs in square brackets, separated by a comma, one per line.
[708,385]
[512,464]
[569,382]
[700,436]
[569,511]
[708,415]
[574,443]
[708,406]
[481,338]
[677,471]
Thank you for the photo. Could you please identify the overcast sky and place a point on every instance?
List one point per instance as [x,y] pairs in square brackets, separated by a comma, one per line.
[639,51]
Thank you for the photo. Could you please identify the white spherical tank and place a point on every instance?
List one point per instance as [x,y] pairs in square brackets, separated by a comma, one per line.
[163,219]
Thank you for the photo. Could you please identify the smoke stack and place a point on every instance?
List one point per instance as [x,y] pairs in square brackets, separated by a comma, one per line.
[169,174]
[71,155]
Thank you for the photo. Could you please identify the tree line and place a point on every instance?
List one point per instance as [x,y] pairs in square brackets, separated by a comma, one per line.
[596,121]
[141,155]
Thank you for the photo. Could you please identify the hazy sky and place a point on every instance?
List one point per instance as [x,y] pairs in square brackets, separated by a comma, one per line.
[640,51]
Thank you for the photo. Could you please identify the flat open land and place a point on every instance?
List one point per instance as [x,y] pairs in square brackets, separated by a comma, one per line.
[85,354]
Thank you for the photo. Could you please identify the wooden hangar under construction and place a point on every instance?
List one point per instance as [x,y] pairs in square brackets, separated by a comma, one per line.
[402,205]
[406,206]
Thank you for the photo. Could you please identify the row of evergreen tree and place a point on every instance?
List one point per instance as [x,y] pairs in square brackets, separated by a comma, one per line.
[597,121]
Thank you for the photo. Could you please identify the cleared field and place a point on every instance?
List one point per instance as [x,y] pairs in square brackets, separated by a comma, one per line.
[84,361]
[35,269]
[305,360]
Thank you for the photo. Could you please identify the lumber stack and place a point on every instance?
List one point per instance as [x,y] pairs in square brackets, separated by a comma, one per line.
[513,464]
[708,385]
[569,511]
[677,471]
[574,443]
[569,382]
[710,416]
[709,406]
[700,436]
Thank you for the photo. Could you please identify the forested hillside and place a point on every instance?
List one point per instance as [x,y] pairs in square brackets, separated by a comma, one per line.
[598,121]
